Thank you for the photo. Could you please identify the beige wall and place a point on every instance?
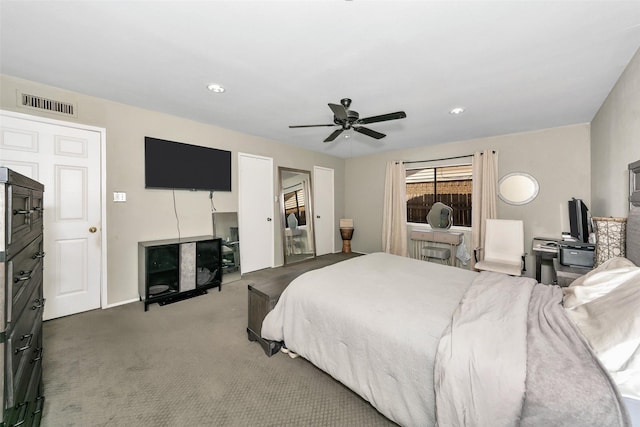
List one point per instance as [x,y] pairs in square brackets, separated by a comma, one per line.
[615,142]
[558,158]
[148,214]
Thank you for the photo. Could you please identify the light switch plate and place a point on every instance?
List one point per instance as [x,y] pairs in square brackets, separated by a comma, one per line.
[119,196]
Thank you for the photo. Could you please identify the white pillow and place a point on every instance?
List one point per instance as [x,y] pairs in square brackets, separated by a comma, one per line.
[606,308]
[598,282]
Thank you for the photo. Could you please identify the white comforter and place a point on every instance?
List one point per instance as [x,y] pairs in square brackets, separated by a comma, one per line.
[373,322]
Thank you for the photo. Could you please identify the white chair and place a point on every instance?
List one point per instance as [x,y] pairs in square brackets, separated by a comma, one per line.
[503,247]
[294,234]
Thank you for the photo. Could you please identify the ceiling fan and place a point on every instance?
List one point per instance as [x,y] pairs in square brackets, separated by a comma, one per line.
[349,119]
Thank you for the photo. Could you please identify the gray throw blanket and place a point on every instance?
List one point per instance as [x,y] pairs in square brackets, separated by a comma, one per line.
[566,384]
[511,357]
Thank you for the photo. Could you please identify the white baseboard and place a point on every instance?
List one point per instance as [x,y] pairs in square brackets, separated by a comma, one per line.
[120,303]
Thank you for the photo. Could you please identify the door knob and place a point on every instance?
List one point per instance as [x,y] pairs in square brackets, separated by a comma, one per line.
[318,216]
[92,229]
[268,219]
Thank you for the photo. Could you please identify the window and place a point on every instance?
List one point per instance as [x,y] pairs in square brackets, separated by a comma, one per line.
[294,203]
[450,185]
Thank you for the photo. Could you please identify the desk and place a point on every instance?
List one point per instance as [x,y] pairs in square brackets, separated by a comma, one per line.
[452,238]
[545,249]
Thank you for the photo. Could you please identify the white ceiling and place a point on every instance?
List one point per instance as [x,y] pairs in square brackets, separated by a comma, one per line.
[514,65]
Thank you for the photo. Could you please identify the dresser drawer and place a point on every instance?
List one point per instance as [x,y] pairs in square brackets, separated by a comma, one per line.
[17,381]
[24,273]
[23,217]
[29,405]
[23,345]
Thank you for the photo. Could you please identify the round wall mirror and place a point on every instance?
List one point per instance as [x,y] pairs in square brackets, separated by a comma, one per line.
[518,188]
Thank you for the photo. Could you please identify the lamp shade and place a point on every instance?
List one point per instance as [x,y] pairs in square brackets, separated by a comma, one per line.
[611,238]
[346,223]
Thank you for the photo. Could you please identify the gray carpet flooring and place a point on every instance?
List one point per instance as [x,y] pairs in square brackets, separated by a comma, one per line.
[187,364]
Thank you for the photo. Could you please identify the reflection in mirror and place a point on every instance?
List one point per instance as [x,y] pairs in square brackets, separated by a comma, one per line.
[226,228]
[518,188]
[440,217]
[296,215]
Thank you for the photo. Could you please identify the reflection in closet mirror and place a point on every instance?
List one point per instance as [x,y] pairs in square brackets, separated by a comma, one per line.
[296,215]
[518,188]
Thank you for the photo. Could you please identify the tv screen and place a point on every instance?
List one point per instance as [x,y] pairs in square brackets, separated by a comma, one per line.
[169,164]
[579,220]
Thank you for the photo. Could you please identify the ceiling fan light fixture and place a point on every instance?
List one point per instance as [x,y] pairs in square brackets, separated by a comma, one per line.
[349,121]
[456,111]
[215,87]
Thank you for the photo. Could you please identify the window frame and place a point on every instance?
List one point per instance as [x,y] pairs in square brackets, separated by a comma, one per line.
[435,181]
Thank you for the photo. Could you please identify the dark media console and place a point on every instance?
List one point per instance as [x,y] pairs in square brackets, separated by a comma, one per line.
[176,269]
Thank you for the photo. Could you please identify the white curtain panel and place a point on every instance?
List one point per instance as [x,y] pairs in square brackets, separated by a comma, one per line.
[394,221]
[483,196]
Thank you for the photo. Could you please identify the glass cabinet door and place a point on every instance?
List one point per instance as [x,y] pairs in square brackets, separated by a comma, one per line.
[208,262]
[163,270]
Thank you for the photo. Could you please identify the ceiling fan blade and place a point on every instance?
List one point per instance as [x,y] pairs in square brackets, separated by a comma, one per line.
[369,132]
[309,126]
[339,111]
[383,117]
[333,135]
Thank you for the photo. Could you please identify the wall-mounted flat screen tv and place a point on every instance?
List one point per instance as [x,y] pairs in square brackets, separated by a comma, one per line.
[176,165]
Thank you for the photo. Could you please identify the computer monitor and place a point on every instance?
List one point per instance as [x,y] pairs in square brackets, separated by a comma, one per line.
[579,220]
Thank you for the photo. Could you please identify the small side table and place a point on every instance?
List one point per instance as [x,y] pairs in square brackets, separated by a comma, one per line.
[347,234]
[566,274]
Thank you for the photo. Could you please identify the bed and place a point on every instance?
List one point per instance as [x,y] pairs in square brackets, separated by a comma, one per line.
[428,344]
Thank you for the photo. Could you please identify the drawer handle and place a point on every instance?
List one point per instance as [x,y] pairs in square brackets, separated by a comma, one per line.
[38,255]
[25,275]
[37,306]
[39,352]
[23,417]
[22,212]
[26,347]
[39,405]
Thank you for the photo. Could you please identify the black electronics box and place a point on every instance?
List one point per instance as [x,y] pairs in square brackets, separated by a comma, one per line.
[577,254]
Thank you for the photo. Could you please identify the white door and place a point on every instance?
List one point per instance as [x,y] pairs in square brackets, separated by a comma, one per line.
[323,206]
[66,160]
[255,212]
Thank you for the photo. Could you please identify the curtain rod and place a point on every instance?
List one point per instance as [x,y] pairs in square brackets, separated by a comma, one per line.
[436,160]
[444,158]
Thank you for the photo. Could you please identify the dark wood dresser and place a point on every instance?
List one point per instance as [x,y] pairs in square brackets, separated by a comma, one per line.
[22,302]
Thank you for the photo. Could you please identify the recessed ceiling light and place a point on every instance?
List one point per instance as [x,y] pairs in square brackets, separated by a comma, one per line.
[456,111]
[347,136]
[214,87]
